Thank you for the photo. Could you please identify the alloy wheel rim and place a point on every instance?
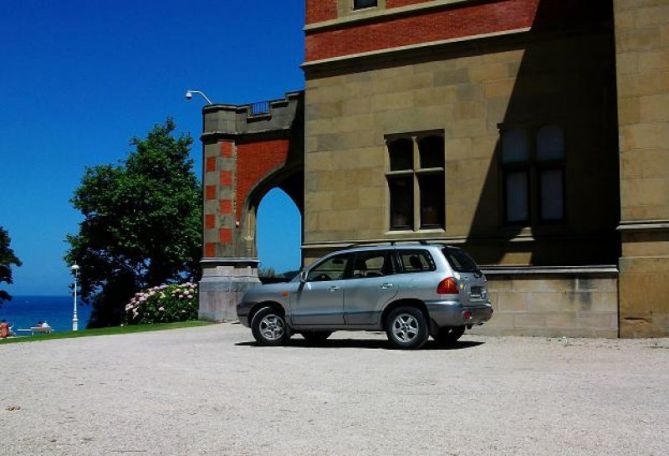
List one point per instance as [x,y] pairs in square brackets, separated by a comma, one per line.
[405,327]
[272,327]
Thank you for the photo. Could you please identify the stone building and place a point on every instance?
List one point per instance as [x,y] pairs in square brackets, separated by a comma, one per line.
[531,132]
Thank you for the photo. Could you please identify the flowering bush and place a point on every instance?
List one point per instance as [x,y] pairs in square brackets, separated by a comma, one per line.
[163,304]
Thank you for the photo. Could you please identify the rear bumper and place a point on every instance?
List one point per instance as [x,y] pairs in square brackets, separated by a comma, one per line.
[453,313]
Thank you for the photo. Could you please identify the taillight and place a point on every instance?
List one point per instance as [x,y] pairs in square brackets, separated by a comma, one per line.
[448,286]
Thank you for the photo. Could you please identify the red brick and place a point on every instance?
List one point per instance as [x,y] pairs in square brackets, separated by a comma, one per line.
[210,192]
[211,164]
[210,249]
[421,27]
[226,178]
[320,10]
[226,149]
[209,221]
[396,3]
[255,160]
[225,236]
[225,207]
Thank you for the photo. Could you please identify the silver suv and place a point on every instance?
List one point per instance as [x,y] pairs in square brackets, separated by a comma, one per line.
[411,291]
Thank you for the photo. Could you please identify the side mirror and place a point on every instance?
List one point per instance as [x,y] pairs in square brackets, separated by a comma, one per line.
[303,276]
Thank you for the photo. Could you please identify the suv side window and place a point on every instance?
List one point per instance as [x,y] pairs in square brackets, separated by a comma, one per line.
[416,261]
[376,263]
[333,268]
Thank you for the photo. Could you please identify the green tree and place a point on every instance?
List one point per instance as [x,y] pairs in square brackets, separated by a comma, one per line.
[142,223]
[7,259]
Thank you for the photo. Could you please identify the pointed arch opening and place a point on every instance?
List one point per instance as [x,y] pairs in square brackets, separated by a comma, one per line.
[279,235]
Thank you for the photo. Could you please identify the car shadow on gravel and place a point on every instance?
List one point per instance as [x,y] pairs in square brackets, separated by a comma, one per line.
[364,343]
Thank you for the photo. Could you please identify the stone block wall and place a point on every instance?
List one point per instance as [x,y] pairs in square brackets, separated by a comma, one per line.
[642,48]
[553,305]
[467,94]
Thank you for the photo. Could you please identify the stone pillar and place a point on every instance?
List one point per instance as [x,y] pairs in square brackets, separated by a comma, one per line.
[642,55]
[224,281]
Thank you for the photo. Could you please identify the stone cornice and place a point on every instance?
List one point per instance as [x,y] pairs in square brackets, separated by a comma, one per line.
[644,225]
[609,270]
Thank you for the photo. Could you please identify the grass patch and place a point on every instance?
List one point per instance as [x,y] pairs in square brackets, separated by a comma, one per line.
[106,331]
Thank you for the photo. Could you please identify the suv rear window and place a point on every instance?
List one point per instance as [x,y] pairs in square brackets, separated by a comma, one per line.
[460,261]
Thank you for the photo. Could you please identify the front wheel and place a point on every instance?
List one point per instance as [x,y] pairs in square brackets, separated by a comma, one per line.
[269,327]
[449,336]
[406,328]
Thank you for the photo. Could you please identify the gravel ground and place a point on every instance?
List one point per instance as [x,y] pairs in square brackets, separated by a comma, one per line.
[210,390]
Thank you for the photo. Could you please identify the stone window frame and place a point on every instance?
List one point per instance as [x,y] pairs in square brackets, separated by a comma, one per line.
[347,8]
[534,167]
[356,8]
[416,172]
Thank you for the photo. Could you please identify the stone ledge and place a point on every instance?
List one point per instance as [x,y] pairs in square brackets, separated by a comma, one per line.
[599,270]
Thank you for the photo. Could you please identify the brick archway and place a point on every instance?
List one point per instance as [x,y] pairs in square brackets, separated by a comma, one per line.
[288,179]
[248,150]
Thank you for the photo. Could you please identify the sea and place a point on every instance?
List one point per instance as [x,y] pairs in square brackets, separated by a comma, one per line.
[22,312]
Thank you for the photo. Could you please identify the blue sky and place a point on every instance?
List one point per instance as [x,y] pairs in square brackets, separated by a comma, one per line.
[80,78]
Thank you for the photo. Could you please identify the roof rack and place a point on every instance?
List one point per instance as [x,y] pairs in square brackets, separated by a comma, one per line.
[395,242]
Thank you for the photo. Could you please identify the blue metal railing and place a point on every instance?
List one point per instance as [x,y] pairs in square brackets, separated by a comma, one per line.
[259,108]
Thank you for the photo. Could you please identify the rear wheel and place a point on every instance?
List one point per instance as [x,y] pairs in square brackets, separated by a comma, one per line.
[269,327]
[449,336]
[406,328]
[316,337]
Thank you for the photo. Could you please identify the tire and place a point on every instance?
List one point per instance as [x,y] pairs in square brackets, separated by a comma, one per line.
[269,327]
[449,336]
[406,328]
[316,337]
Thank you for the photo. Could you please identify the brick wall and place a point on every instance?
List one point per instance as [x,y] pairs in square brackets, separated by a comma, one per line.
[254,161]
[396,3]
[321,10]
[421,28]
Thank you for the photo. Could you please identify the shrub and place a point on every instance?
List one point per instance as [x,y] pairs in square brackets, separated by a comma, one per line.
[163,304]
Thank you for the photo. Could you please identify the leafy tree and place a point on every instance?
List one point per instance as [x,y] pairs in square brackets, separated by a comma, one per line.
[142,223]
[7,259]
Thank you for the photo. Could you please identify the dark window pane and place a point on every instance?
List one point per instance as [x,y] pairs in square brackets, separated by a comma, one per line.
[357,4]
[416,261]
[552,195]
[517,202]
[330,269]
[431,151]
[550,143]
[459,260]
[431,200]
[372,264]
[401,154]
[401,202]
[515,146]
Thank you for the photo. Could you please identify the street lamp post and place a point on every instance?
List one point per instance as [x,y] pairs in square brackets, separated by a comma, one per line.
[75,320]
[189,95]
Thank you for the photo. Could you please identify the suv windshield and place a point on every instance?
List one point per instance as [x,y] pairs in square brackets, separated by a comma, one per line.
[460,261]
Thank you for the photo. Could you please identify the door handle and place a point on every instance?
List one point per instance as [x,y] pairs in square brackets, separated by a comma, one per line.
[386,286]
[333,288]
